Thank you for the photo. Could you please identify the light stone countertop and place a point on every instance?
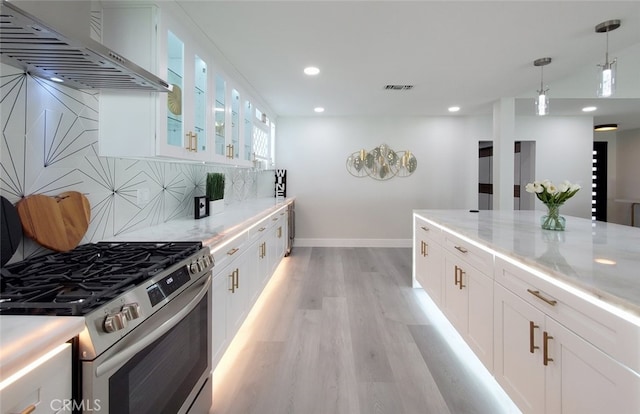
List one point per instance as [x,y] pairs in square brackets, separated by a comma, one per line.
[210,230]
[24,338]
[577,256]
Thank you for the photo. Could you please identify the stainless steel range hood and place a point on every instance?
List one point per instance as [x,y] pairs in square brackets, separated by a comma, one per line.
[42,51]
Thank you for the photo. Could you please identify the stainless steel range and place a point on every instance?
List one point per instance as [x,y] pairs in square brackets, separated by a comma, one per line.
[146,346]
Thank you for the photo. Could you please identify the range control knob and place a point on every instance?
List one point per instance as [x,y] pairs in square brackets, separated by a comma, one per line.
[115,322]
[131,311]
[193,267]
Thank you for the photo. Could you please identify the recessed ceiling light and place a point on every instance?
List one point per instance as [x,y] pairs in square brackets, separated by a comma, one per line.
[454,108]
[589,109]
[605,127]
[318,109]
[311,70]
[53,78]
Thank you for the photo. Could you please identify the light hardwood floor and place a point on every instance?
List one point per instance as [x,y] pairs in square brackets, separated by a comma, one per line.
[340,330]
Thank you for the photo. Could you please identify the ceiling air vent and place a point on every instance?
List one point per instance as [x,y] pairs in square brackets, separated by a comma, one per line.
[398,87]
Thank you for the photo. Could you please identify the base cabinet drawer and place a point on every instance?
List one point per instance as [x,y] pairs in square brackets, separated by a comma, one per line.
[45,389]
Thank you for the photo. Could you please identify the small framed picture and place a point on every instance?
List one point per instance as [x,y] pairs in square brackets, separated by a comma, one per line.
[200,207]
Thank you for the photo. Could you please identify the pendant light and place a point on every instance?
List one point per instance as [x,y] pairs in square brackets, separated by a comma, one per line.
[607,72]
[542,102]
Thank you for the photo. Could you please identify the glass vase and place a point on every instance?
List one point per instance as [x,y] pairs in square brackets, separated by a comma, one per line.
[553,220]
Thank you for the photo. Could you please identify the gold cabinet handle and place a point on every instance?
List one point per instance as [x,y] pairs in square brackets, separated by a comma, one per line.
[424,249]
[233,284]
[232,251]
[545,348]
[192,143]
[532,346]
[280,232]
[237,277]
[461,249]
[538,295]
[458,281]
[425,228]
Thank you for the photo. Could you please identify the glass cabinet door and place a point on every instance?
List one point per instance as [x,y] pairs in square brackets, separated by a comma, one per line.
[175,76]
[200,103]
[235,124]
[248,131]
[220,116]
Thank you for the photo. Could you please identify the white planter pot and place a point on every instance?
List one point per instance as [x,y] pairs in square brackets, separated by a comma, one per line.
[216,207]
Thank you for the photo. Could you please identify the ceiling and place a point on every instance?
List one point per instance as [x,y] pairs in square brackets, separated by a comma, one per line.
[465,53]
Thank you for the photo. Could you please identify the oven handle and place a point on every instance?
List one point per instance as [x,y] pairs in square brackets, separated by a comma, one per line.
[127,353]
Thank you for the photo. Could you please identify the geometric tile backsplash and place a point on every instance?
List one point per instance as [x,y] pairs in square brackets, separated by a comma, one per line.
[50,145]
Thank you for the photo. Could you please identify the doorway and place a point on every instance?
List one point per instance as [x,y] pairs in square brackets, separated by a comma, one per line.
[523,173]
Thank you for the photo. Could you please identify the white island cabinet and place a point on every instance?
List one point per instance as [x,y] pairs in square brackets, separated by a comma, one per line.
[565,334]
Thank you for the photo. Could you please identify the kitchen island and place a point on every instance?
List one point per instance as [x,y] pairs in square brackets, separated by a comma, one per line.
[554,316]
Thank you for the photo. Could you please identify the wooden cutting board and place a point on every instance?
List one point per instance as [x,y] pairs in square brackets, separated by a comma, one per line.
[58,223]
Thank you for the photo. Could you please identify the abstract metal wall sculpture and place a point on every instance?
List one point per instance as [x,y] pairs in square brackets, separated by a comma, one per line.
[381,163]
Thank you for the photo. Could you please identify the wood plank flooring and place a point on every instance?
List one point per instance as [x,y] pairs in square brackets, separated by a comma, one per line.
[340,330]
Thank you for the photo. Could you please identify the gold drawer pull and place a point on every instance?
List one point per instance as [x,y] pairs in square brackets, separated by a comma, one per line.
[262,229]
[545,348]
[538,295]
[274,219]
[232,251]
[532,347]
[425,228]
[461,249]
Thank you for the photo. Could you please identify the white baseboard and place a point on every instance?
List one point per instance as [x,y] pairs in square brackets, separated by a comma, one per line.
[352,242]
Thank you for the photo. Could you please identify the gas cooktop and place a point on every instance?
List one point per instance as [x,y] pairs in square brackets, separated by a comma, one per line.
[83,279]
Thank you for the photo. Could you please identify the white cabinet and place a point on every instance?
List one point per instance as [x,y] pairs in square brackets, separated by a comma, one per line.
[45,389]
[428,259]
[242,268]
[447,269]
[178,124]
[546,366]
[468,304]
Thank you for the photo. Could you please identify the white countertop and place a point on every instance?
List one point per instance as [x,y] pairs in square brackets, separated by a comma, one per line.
[577,255]
[210,230]
[24,338]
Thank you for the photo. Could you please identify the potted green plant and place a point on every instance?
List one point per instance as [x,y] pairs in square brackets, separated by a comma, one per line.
[215,192]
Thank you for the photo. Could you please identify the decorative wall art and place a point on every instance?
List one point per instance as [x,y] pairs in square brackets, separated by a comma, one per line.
[381,163]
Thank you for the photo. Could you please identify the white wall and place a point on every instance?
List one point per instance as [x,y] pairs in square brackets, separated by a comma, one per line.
[627,186]
[564,147]
[335,208]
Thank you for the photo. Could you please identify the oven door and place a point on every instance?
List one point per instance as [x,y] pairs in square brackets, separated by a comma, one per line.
[162,366]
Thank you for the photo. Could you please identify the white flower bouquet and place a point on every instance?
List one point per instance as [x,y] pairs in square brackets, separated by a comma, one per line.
[553,197]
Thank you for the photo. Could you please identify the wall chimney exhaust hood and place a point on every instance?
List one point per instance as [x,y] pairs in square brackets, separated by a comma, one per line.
[28,43]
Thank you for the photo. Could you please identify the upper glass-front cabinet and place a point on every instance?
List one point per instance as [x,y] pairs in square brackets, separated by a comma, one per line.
[200,103]
[175,77]
[220,114]
[206,117]
[186,105]
[235,125]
